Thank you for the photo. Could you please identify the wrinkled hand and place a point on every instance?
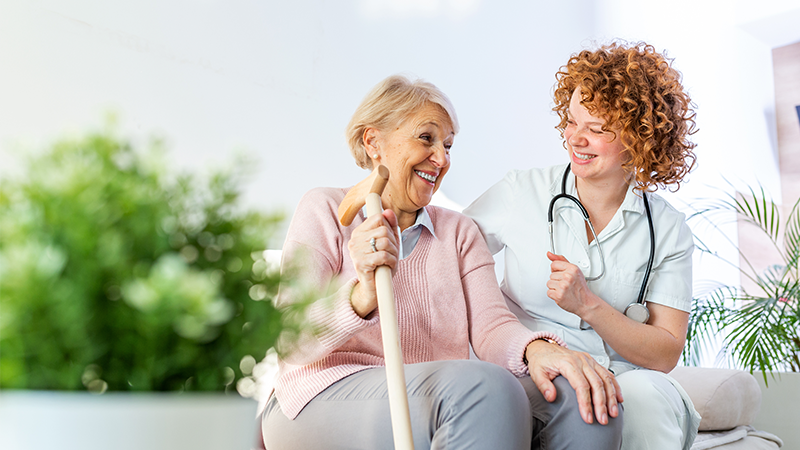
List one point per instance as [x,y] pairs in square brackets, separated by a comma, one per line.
[381,227]
[567,286]
[596,388]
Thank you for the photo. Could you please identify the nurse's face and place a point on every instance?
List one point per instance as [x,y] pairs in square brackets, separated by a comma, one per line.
[595,154]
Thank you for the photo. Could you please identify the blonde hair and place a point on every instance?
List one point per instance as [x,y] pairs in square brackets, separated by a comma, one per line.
[388,105]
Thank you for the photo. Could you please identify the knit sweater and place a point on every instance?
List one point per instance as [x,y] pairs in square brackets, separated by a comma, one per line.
[446,293]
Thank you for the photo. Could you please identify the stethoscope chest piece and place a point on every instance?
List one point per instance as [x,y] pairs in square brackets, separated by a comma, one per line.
[637,312]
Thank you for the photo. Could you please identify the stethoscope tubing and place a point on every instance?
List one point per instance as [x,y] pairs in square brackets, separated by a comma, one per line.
[588,222]
[652,256]
[576,201]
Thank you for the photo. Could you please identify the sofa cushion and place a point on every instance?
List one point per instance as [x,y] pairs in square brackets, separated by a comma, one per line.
[725,398]
[740,438]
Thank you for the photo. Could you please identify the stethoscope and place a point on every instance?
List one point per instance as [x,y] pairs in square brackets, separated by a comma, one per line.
[636,311]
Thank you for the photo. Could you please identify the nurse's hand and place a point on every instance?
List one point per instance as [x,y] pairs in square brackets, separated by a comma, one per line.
[366,258]
[597,390]
[567,286]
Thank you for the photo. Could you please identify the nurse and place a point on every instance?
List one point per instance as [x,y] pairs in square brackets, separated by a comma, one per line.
[626,121]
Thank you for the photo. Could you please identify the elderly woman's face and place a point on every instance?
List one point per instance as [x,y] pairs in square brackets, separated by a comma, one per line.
[417,154]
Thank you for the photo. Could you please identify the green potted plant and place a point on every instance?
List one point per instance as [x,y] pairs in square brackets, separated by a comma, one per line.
[758,319]
[761,322]
[118,275]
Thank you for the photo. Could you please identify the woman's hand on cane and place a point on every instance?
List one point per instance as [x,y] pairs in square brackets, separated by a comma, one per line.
[374,243]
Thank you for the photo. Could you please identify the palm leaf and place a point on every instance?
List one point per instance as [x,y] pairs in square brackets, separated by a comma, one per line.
[764,330]
[706,319]
[762,327]
[759,210]
[791,238]
[756,336]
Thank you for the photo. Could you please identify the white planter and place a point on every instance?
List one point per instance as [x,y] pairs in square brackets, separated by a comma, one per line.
[780,407]
[43,420]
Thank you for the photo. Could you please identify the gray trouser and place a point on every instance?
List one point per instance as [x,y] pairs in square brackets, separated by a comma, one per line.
[559,425]
[454,405]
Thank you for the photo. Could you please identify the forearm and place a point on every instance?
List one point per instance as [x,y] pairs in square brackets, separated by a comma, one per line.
[364,301]
[495,333]
[330,322]
[655,345]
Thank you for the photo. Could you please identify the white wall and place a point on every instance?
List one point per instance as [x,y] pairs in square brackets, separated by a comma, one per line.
[280,79]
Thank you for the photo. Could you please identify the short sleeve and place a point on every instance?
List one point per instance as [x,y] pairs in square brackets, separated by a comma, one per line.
[492,210]
[671,284]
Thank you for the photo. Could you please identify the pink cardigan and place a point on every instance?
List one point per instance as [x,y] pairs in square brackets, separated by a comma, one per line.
[446,292]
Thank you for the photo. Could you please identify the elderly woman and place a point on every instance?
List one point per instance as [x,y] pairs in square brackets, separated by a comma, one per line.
[616,282]
[331,389]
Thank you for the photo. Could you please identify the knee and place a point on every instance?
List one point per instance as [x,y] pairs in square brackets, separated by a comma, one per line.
[637,388]
[488,384]
[566,418]
[647,393]
[484,376]
[479,405]
[484,373]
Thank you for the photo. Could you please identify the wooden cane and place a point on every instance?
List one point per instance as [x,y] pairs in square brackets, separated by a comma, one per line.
[395,376]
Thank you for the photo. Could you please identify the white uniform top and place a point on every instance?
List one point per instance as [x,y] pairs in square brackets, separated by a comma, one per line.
[512,214]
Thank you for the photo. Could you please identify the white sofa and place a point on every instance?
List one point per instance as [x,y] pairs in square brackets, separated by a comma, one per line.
[729,402]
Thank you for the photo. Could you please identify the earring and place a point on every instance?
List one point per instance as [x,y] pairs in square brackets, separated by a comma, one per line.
[375,156]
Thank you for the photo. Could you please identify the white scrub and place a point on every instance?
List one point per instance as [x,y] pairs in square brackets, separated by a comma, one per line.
[512,214]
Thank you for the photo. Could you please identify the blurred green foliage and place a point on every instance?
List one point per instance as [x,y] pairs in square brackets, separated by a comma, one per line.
[116,274]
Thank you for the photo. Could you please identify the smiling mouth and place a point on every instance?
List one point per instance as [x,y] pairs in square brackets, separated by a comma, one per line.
[426,176]
[582,156]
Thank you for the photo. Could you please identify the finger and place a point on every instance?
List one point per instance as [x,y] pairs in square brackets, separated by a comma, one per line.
[390,227]
[555,287]
[599,398]
[583,393]
[385,254]
[366,229]
[366,259]
[563,266]
[554,257]
[382,231]
[383,244]
[371,261]
[555,295]
[557,276]
[559,266]
[390,217]
[617,389]
[612,396]
[544,384]
[584,396]
[388,260]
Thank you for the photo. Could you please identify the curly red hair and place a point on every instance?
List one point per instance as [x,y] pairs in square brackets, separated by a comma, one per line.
[638,93]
